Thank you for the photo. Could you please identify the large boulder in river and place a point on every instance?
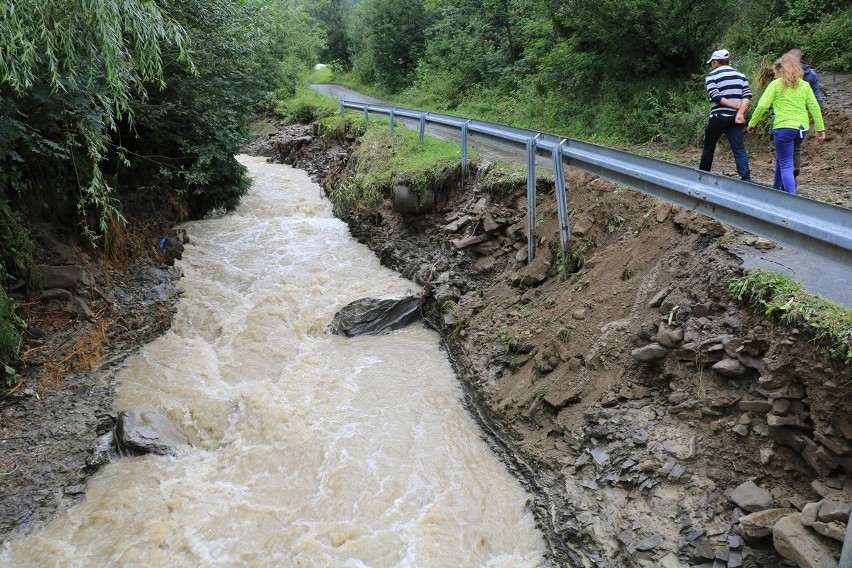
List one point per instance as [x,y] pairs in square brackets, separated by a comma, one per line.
[149,432]
[371,316]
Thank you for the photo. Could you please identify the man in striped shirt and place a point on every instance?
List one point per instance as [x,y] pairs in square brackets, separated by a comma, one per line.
[730,95]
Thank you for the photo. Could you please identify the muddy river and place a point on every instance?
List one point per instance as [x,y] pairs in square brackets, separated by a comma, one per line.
[307,449]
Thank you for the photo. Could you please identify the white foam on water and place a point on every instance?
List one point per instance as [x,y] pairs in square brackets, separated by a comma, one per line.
[307,449]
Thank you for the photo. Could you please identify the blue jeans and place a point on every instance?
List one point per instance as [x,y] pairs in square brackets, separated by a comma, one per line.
[716,127]
[786,142]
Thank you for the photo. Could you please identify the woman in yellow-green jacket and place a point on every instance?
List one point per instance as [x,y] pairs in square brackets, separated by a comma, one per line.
[791,99]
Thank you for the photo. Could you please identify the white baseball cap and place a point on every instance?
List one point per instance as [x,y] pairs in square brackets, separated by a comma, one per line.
[720,54]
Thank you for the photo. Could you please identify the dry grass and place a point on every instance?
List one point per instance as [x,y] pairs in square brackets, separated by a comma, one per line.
[75,348]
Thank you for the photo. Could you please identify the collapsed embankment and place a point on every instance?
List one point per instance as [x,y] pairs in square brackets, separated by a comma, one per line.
[657,421]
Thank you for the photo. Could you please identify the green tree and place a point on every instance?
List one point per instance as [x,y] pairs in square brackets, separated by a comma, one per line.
[185,136]
[113,108]
[388,40]
[333,17]
[473,43]
[635,38]
[106,103]
[69,70]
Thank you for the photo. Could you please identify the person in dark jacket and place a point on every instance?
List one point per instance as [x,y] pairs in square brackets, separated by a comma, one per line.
[812,78]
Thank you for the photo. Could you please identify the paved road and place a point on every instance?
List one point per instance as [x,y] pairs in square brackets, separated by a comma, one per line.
[833,281]
[827,279]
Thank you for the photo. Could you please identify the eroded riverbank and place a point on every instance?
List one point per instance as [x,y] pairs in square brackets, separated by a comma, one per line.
[635,463]
[636,397]
[305,447]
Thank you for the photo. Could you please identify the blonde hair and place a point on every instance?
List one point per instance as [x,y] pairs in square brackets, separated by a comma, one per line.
[797,53]
[764,77]
[789,70]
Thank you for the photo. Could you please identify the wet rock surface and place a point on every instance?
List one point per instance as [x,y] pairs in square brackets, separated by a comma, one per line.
[149,431]
[374,316]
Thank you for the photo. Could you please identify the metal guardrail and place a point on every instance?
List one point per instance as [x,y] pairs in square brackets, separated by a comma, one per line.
[811,226]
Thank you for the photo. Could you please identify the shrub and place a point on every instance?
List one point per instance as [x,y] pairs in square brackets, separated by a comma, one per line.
[305,106]
[10,338]
[828,45]
[16,248]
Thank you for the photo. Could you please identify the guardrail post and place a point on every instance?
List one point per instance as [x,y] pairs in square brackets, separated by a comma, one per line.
[561,196]
[392,120]
[464,149]
[530,199]
[340,106]
[366,114]
[423,126]
[807,225]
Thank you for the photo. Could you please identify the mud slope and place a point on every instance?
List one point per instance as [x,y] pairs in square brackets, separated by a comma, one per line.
[632,395]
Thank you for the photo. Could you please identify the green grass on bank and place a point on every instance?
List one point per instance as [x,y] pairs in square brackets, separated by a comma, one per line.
[778,295]
[322,76]
[381,160]
[622,116]
[306,106]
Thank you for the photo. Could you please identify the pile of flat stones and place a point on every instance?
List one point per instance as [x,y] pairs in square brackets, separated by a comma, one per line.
[805,533]
[750,390]
[624,447]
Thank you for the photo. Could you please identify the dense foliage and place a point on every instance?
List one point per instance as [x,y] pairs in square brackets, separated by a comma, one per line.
[119,109]
[387,40]
[623,71]
[118,98]
[185,135]
[17,250]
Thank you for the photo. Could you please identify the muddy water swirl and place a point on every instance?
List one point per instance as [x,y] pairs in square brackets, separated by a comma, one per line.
[307,449]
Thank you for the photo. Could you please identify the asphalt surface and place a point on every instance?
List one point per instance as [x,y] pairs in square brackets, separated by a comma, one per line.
[831,280]
[827,279]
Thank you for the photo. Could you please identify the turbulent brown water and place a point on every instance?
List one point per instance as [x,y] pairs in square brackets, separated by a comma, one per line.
[307,449]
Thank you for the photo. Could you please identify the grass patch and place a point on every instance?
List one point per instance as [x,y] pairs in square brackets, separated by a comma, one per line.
[776,294]
[261,128]
[306,106]
[321,76]
[380,161]
[350,81]
[570,261]
[454,319]
[340,126]
[503,176]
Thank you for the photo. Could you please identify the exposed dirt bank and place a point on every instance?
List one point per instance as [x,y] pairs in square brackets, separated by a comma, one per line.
[79,331]
[635,398]
[631,462]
